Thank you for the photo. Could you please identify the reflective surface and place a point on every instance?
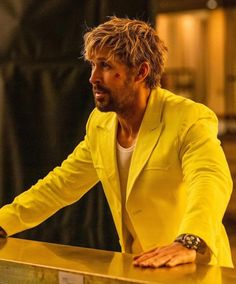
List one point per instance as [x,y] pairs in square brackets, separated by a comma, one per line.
[38,262]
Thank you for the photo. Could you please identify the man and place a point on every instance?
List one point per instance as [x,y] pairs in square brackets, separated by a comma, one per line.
[163,171]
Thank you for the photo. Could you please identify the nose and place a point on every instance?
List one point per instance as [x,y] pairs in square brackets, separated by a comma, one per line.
[95,77]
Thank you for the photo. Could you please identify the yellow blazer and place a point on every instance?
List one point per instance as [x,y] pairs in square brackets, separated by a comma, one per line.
[179,180]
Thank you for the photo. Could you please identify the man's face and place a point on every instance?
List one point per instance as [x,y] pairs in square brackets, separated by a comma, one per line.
[113,84]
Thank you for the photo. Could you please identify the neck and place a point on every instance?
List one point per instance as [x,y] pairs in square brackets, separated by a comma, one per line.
[129,122]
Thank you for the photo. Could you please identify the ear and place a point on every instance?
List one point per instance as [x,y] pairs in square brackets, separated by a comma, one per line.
[142,72]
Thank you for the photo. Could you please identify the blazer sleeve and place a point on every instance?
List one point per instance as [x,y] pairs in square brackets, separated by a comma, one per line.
[61,187]
[207,177]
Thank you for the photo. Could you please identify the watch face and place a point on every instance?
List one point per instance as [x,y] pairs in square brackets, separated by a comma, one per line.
[191,241]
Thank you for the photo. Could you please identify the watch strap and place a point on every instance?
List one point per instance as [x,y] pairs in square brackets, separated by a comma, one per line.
[192,242]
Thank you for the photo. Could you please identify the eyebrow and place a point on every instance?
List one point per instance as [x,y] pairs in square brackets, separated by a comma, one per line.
[107,60]
[103,59]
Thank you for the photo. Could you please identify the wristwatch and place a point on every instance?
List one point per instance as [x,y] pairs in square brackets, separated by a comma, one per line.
[192,242]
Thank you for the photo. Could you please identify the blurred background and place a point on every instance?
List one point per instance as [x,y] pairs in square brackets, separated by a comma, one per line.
[45,97]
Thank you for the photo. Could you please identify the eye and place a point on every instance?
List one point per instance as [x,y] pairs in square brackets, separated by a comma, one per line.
[105,65]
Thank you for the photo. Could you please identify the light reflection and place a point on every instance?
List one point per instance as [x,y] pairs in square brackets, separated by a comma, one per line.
[212,4]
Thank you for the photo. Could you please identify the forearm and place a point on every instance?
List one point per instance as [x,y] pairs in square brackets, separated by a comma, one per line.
[208,182]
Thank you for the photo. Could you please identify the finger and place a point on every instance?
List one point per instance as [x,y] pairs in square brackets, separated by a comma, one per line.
[146,256]
[159,262]
[143,253]
[160,252]
[182,259]
[154,262]
[164,249]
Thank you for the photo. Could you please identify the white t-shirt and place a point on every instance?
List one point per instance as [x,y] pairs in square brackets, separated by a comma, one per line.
[124,156]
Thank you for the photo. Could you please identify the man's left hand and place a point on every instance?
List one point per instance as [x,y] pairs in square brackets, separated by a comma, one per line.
[171,255]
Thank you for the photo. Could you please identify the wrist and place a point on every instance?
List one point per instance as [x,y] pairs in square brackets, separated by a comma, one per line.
[192,242]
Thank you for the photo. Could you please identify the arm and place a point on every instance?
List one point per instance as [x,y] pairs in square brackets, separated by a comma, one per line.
[208,181]
[62,186]
[208,184]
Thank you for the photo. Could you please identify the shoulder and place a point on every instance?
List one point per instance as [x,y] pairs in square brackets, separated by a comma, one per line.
[184,109]
[179,114]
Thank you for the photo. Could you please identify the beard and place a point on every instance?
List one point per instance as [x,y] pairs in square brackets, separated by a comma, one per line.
[118,101]
[103,98]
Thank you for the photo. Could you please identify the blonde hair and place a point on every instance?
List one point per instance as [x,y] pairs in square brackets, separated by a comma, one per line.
[132,41]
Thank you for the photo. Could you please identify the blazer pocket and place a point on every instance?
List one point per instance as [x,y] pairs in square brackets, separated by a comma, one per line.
[161,162]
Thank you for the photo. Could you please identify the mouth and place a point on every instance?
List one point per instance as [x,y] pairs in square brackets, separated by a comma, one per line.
[100,93]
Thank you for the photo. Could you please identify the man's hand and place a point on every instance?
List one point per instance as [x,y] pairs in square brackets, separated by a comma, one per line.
[171,255]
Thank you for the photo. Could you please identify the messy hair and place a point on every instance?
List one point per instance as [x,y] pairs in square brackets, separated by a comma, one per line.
[132,41]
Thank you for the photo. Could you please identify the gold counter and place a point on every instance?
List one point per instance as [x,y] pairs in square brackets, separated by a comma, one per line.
[24,261]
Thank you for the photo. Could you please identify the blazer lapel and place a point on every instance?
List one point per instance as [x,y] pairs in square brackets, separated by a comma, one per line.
[148,136]
[107,152]
[107,146]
